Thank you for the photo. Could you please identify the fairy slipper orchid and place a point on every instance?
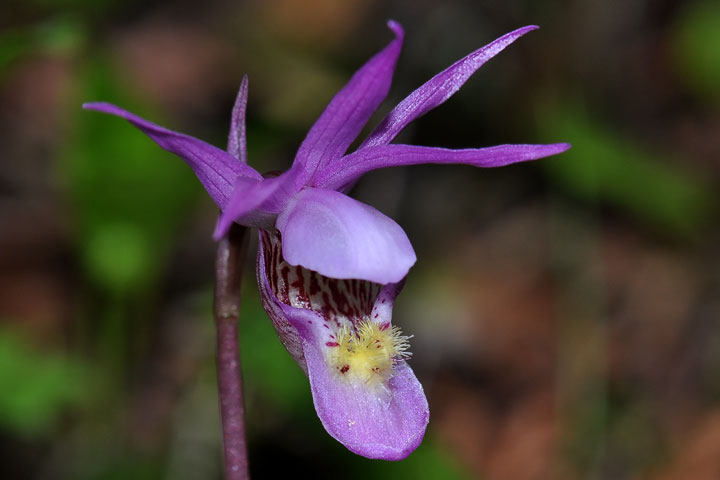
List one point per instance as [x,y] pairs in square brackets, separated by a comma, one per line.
[329,267]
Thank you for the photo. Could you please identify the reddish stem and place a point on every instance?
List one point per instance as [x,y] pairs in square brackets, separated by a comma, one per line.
[228,264]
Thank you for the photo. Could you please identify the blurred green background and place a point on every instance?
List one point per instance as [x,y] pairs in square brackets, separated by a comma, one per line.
[565,312]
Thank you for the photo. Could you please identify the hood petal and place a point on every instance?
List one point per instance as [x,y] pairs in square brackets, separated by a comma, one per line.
[350,109]
[358,163]
[339,237]
[438,89]
[216,169]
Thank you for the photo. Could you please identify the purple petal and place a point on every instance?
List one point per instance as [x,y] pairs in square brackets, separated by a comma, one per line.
[248,195]
[216,169]
[438,89]
[256,203]
[368,423]
[351,167]
[386,423]
[350,109]
[339,237]
[237,142]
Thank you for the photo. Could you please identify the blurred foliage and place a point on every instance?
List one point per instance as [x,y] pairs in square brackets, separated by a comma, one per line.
[604,166]
[37,386]
[267,367]
[118,256]
[58,35]
[121,184]
[696,53]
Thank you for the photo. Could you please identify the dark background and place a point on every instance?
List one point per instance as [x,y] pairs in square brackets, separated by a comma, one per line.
[565,312]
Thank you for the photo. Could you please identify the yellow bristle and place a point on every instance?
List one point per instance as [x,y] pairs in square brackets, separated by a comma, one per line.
[368,352]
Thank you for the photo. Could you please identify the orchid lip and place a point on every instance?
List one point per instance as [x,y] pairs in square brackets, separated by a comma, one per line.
[379,413]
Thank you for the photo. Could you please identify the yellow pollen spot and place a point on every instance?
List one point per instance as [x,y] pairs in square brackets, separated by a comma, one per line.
[368,352]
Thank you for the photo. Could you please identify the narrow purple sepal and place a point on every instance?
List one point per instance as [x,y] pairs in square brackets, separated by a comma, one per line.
[438,89]
[329,232]
[216,169]
[237,139]
[358,163]
[350,109]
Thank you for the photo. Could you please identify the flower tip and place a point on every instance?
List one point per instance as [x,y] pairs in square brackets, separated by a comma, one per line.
[550,149]
[92,105]
[384,452]
[244,84]
[395,453]
[396,28]
[563,147]
[221,228]
[526,29]
[515,34]
[105,107]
